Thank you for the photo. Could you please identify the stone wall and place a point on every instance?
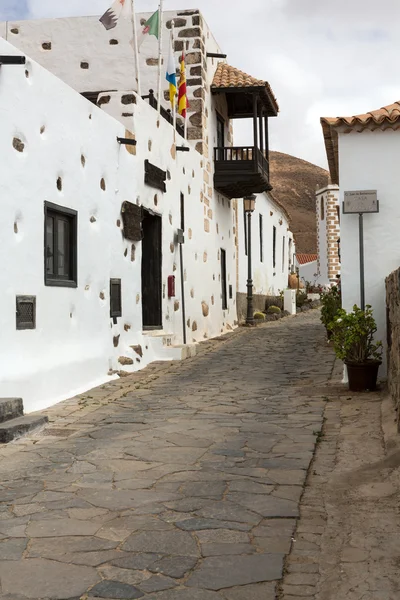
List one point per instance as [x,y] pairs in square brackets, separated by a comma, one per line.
[393,337]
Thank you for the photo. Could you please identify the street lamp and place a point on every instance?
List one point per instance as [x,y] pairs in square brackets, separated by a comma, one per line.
[249,203]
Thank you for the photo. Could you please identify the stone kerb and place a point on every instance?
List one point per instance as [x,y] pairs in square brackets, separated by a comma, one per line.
[393,328]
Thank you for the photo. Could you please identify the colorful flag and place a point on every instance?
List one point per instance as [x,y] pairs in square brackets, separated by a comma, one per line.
[111,16]
[183,103]
[171,75]
[151,27]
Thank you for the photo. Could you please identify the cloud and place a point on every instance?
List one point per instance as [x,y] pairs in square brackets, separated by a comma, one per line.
[10,9]
[321,59]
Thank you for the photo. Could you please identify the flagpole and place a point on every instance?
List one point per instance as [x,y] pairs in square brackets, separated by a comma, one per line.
[136,48]
[174,106]
[160,36]
[185,121]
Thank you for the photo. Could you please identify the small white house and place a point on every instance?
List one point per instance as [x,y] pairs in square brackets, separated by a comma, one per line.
[363,154]
[307,266]
[272,251]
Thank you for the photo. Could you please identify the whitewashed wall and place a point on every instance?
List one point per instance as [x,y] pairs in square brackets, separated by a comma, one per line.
[369,161]
[309,272]
[72,347]
[267,280]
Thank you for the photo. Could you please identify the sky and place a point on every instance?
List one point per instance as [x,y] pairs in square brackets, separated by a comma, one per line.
[321,58]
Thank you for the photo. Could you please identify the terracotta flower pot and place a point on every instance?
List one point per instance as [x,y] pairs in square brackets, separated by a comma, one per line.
[363,376]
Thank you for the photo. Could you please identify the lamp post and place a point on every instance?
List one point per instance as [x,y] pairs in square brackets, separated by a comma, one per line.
[249,206]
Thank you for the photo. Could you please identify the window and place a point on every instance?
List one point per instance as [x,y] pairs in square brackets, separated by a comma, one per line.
[338,214]
[290,254]
[60,252]
[322,208]
[261,240]
[182,212]
[223,280]
[283,254]
[274,246]
[220,137]
[115,298]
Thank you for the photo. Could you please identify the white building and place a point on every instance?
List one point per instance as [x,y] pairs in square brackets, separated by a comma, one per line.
[272,251]
[328,235]
[307,266]
[112,211]
[362,152]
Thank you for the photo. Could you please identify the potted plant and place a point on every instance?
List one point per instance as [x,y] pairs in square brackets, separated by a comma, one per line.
[353,339]
[331,302]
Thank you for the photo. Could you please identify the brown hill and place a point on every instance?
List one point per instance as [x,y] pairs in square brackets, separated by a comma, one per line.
[294,183]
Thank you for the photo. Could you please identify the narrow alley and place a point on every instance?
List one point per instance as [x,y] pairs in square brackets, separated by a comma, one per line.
[181,482]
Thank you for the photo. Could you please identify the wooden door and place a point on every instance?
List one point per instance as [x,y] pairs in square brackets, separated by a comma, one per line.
[151,272]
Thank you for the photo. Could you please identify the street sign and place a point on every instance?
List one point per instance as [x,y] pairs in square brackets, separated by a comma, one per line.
[360,202]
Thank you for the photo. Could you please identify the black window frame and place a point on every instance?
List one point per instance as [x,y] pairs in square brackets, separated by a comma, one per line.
[57,211]
[221,123]
[115,311]
[274,246]
[283,253]
[261,238]
[182,211]
[224,280]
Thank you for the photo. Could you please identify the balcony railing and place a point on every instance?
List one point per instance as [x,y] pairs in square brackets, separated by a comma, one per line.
[242,153]
[166,114]
[241,170]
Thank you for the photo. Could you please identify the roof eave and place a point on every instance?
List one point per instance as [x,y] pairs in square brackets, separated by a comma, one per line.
[332,149]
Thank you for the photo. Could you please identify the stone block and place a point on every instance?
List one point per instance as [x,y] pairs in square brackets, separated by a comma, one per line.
[193,58]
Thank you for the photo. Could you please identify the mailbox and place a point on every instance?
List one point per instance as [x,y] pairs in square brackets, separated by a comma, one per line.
[171,286]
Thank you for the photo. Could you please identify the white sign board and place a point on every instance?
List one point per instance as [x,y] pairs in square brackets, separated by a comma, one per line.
[362,201]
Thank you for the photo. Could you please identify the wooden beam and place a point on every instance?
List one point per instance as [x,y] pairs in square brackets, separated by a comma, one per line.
[255,125]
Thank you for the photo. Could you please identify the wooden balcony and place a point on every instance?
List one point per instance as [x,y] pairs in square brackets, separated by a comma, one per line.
[240,171]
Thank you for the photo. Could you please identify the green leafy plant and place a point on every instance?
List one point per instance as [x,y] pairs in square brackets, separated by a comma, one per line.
[353,336]
[331,304]
[274,310]
[301,298]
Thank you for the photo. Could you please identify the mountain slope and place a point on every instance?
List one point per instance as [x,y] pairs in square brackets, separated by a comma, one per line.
[294,183]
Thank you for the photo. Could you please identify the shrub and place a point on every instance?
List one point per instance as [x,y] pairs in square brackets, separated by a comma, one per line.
[259,316]
[353,336]
[274,310]
[331,303]
[274,301]
[301,299]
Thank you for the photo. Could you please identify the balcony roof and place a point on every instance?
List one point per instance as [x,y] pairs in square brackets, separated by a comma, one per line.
[239,89]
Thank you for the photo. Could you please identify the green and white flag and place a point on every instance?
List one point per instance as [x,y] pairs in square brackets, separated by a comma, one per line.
[151,27]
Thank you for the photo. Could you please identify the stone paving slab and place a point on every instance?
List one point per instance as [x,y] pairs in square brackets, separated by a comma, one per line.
[181,482]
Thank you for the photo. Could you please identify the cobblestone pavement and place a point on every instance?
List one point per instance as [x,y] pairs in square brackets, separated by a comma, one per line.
[181,482]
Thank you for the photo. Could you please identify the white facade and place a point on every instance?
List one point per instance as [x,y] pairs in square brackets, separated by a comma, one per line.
[328,233]
[272,253]
[308,272]
[66,140]
[367,161]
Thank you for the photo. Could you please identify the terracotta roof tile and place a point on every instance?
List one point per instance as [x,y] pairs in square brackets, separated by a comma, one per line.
[387,117]
[304,259]
[230,77]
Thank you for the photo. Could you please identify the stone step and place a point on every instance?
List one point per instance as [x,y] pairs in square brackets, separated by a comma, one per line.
[10,408]
[16,428]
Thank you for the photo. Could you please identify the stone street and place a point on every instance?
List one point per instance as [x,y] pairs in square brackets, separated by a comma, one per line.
[181,482]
